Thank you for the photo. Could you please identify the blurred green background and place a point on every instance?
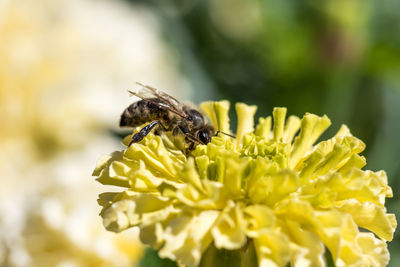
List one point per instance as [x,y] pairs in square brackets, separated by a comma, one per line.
[334,57]
[66,65]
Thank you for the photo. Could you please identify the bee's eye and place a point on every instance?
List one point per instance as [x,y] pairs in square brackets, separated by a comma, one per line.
[204,137]
[189,118]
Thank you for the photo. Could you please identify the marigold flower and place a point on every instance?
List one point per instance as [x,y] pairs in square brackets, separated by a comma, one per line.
[269,190]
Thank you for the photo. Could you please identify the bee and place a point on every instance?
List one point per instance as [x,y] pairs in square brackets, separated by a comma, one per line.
[162,110]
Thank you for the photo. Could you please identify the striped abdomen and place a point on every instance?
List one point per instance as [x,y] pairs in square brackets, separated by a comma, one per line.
[141,112]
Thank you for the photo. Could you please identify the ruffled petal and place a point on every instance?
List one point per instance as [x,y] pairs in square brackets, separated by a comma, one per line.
[229,230]
[371,217]
[272,248]
[187,236]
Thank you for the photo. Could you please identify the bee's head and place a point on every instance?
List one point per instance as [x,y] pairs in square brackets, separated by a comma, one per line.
[205,134]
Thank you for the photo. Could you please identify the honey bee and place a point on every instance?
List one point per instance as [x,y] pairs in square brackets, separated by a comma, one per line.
[162,110]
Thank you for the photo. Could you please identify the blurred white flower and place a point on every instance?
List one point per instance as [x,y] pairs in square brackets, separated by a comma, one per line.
[65,69]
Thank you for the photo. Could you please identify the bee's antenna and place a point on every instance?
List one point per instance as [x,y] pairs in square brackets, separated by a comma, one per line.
[225,134]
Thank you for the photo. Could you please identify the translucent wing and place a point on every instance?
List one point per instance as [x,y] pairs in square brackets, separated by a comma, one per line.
[160,98]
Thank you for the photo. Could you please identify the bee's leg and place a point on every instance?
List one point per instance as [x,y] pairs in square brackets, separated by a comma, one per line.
[143,132]
[188,135]
[190,148]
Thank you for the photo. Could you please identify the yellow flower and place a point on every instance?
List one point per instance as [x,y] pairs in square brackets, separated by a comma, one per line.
[281,194]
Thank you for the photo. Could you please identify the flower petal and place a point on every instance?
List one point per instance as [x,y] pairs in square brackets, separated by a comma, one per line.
[212,196]
[127,211]
[306,248]
[279,115]
[218,113]
[312,127]
[263,128]
[369,216]
[258,217]
[374,250]
[245,115]
[187,236]
[272,248]
[229,229]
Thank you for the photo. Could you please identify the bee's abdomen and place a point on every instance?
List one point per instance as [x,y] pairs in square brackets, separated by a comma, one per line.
[141,112]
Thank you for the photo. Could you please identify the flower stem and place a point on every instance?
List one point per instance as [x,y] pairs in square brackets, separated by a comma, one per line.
[245,256]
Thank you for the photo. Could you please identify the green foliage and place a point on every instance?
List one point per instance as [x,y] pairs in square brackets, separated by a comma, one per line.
[151,259]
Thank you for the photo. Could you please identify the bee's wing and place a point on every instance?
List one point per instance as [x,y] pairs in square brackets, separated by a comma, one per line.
[162,99]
